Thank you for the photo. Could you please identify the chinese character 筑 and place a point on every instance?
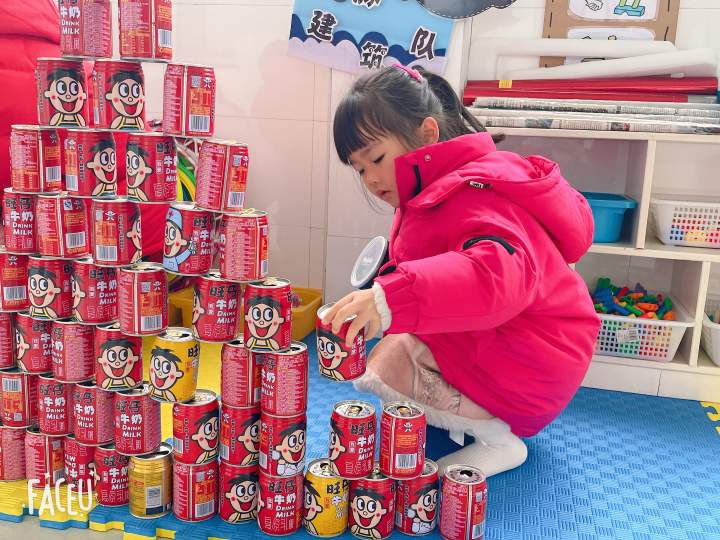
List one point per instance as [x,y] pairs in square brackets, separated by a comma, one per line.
[423,43]
[322,25]
[367,3]
[372,54]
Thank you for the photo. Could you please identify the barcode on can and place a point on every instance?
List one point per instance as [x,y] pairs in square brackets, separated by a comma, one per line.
[224,452]
[257,395]
[165,38]
[11,385]
[14,293]
[406,461]
[57,475]
[178,445]
[200,123]
[76,239]
[106,253]
[478,530]
[151,322]
[153,496]
[71,182]
[264,268]
[262,458]
[204,509]
[398,518]
[236,199]
[52,174]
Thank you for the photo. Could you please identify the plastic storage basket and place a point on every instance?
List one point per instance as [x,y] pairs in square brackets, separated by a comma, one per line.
[687,223]
[711,330]
[609,212]
[644,339]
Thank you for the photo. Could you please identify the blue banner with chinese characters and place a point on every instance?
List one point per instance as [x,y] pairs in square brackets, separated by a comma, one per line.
[359,35]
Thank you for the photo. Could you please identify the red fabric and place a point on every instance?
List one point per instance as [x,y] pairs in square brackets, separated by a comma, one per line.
[513,331]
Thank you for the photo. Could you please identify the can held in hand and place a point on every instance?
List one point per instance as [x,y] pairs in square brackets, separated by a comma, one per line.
[337,361]
[187,247]
[285,381]
[85,30]
[268,315]
[118,95]
[195,490]
[7,340]
[111,476]
[372,506]
[94,417]
[90,163]
[44,458]
[196,429]
[72,351]
[94,291]
[240,377]
[280,504]
[145,29]
[402,440]
[61,227]
[464,503]
[118,359]
[216,308]
[282,444]
[19,398]
[18,214]
[137,421]
[222,172]
[353,433]
[243,245]
[49,288]
[150,483]
[326,500]
[62,93]
[238,497]
[13,282]
[54,406]
[33,344]
[174,366]
[150,167]
[116,232]
[79,464]
[143,299]
[239,434]
[35,164]
[12,453]
[417,504]
[189,101]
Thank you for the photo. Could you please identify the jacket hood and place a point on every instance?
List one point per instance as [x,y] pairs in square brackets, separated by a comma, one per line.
[428,175]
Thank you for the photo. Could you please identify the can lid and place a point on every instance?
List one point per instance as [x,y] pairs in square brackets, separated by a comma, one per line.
[141,390]
[161,452]
[143,134]
[91,130]
[271,283]
[403,409]
[296,347]
[33,127]
[429,468]
[176,333]
[355,408]
[464,474]
[238,342]
[369,262]
[47,58]
[110,326]
[322,467]
[117,61]
[376,473]
[143,267]
[226,142]
[213,275]
[246,212]
[188,205]
[191,65]
[323,309]
[201,397]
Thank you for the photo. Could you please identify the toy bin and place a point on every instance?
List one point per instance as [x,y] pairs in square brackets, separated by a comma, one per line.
[644,339]
[711,330]
[687,223]
[609,211]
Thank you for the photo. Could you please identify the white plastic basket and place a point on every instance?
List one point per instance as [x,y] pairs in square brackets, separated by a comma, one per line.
[644,339]
[711,330]
[687,223]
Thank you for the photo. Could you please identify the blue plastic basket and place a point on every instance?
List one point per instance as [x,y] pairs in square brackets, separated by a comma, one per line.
[608,212]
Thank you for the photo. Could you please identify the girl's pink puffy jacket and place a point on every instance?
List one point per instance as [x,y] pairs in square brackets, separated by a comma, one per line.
[478,270]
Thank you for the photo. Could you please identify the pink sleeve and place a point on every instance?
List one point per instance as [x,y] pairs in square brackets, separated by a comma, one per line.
[476,288]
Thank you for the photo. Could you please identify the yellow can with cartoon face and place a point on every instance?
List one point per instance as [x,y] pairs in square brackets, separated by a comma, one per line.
[326,500]
[174,362]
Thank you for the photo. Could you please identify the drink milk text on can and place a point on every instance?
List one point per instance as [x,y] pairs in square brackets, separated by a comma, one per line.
[402,440]
[44,458]
[18,214]
[238,497]
[7,340]
[417,502]
[118,95]
[94,415]
[326,500]
[280,504]
[116,232]
[13,282]
[174,366]
[150,483]
[54,406]
[145,29]
[240,376]
[239,434]
[50,288]
[285,381]
[143,300]
[72,351]
[19,398]
[118,358]
[61,226]
[189,101]
[12,453]
[90,163]
[282,444]
[268,315]
[94,291]
[372,506]
[33,344]
[336,360]
[217,307]
[62,93]
[111,476]
[187,247]
[353,435]
[137,421]
[222,172]
[243,245]
[150,168]
[35,164]
[79,464]
[196,428]
[85,29]
[195,490]
[464,503]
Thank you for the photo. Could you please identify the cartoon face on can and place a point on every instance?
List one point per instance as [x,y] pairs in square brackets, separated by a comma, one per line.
[137,167]
[62,92]
[337,361]
[368,511]
[118,361]
[49,288]
[176,249]
[127,98]
[239,495]
[239,435]
[282,444]
[102,164]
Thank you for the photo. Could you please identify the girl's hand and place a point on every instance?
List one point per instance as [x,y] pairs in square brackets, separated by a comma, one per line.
[358,303]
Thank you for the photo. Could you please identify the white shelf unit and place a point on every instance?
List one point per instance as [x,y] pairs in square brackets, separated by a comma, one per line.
[642,166]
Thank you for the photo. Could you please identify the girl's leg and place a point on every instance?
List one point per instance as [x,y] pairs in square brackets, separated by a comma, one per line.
[401,367]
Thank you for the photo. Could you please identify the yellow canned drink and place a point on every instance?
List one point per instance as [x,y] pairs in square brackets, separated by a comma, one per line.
[174,366]
[150,483]
[326,500]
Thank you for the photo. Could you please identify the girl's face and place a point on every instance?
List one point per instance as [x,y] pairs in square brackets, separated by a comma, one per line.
[375,164]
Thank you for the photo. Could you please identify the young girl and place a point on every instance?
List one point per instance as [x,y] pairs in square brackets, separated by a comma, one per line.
[485,323]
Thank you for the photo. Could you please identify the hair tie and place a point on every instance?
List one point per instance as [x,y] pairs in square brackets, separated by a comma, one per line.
[410,71]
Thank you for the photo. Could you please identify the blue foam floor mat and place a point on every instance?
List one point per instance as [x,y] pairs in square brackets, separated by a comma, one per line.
[612,466]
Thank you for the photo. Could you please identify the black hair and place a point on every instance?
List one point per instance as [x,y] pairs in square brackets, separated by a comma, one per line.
[311,489]
[59,73]
[104,144]
[390,101]
[139,150]
[267,300]
[327,334]
[426,488]
[121,342]
[41,271]
[167,354]
[293,428]
[367,492]
[245,477]
[122,75]
[135,214]
[209,415]
[335,427]
[251,420]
